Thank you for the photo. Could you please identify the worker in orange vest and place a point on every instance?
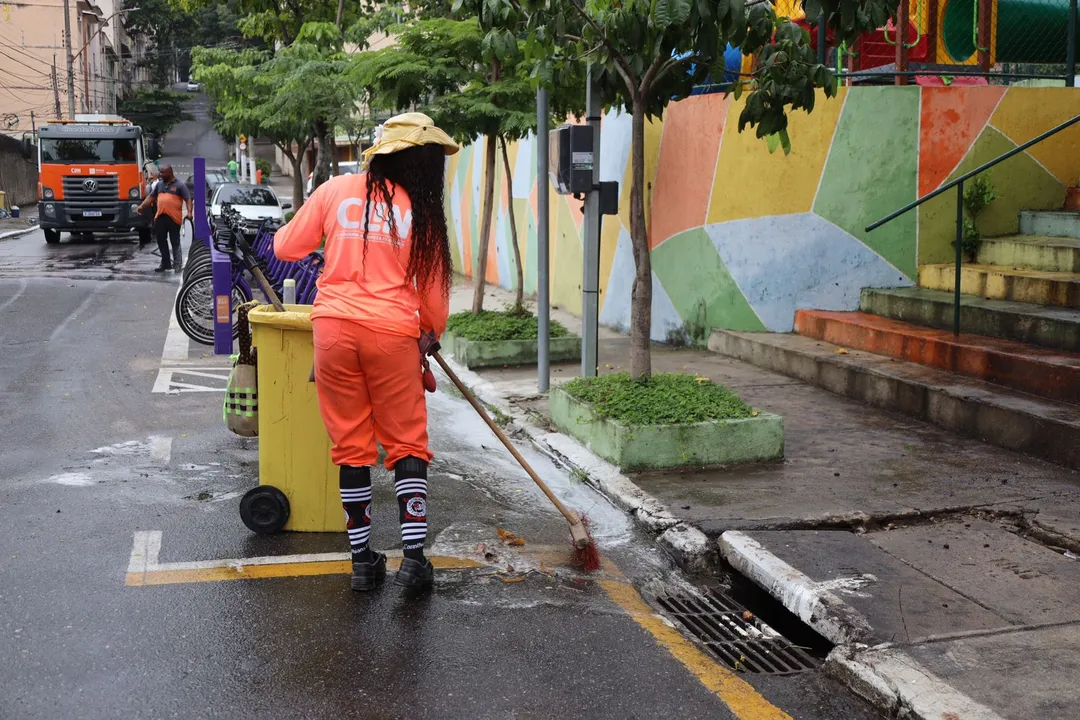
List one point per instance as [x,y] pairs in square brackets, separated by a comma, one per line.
[383,299]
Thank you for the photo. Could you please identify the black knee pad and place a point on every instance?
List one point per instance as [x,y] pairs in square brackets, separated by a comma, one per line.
[354,477]
[410,467]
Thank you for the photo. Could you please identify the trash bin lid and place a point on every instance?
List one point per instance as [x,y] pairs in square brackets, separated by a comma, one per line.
[295,317]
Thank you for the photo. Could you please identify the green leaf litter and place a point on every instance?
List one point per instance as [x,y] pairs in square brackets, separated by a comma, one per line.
[663,399]
[498,325]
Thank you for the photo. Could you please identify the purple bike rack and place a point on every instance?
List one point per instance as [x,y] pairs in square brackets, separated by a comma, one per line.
[221,267]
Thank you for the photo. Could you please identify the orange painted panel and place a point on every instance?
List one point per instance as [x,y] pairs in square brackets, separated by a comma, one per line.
[951,120]
[687,163]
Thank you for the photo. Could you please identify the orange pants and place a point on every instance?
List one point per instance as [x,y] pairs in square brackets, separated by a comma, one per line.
[370,388]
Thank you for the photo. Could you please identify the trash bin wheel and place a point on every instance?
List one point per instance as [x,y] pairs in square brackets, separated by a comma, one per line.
[264,509]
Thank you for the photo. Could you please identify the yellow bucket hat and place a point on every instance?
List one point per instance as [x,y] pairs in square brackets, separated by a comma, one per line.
[405,131]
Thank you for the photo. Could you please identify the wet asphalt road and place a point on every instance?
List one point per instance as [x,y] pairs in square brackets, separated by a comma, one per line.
[90,455]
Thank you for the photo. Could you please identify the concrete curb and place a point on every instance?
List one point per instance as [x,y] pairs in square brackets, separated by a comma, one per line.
[10,235]
[895,682]
[687,545]
[883,675]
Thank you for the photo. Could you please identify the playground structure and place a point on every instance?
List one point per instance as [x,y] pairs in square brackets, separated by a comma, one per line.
[971,35]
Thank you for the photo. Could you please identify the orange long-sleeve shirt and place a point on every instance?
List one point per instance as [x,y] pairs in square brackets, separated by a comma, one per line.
[373,291]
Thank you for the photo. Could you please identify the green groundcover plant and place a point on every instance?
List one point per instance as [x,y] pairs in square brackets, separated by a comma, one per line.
[507,324]
[663,399]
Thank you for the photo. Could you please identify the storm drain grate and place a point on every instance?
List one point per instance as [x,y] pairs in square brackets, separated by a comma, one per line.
[746,645]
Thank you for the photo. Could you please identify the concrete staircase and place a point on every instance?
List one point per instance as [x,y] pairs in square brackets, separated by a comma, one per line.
[1011,379]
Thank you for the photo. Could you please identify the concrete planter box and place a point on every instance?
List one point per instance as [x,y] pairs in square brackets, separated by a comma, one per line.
[496,353]
[638,447]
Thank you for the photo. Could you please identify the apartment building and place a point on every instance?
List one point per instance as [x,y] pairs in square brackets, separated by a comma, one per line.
[33,67]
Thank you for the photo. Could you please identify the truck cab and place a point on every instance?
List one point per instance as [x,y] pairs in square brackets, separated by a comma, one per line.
[90,178]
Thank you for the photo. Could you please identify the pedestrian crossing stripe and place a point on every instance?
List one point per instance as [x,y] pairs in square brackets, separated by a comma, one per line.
[176,380]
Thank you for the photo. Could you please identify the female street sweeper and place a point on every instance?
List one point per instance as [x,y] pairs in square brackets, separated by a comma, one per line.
[383,300]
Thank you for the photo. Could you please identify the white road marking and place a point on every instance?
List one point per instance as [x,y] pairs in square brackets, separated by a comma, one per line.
[75,479]
[144,552]
[160,449]
[75,313]
[16,296]
[176,342]
[166,382]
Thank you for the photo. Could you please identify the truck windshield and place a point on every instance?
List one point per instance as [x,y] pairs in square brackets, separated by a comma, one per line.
[87,150]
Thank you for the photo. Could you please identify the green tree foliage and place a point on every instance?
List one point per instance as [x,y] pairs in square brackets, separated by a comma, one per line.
[156,110]
[172,29]
[243,85]
[644,54]
[472,84]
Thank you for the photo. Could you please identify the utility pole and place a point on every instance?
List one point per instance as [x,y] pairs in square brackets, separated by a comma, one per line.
[590,283]
[70,60]
[543,298]
[56,91]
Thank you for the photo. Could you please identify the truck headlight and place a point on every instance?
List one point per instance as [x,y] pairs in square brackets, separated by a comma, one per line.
[47,193]
[134,209]
[134,193]
[50,209]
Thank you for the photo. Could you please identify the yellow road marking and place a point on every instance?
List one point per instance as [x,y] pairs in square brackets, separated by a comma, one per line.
[736,693]
[240,571]
[739,695]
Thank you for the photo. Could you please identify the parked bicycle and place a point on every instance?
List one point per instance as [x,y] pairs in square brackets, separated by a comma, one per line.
[195,301]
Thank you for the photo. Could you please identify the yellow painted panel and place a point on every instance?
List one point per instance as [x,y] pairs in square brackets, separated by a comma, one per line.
[750,182]
[294,449]
[1026,112]
[654,130]
[566,257]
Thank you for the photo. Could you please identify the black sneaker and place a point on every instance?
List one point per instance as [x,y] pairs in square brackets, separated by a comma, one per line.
[162,268]
[415,575]
[366,576]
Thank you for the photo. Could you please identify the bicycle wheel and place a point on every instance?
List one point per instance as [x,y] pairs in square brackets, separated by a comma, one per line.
[195,308]
[197,266]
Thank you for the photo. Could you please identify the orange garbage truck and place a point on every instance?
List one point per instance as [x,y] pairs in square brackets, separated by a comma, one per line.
[90,178]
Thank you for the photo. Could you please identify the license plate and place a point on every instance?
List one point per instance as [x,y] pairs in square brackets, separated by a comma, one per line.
[91,213]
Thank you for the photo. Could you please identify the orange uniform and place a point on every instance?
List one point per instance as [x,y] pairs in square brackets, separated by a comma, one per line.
[367,317]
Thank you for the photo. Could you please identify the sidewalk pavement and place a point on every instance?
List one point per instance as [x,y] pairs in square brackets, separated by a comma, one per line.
[944,570]
[14,227]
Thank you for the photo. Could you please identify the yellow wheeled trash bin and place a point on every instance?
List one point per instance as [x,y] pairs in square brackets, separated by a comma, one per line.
[298,484]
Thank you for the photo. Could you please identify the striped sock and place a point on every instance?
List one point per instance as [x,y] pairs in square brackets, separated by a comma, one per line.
[355,483]
[410,484]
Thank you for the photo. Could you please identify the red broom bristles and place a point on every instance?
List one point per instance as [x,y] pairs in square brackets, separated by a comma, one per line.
[588,557]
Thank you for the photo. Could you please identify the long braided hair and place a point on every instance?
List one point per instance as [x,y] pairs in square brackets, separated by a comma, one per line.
[419,171]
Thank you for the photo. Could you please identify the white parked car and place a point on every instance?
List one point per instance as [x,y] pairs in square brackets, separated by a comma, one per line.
[192,86]
[255,203]
[351,167]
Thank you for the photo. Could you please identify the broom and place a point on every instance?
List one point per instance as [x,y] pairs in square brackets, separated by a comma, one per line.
[585,553]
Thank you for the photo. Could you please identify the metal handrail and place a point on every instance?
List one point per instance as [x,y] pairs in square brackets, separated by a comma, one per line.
[958,183]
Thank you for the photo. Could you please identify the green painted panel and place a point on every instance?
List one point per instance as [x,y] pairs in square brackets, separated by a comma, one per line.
[1021,184]
[872,170]
[700,286]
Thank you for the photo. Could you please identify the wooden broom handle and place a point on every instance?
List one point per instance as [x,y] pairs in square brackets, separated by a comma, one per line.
[571,516]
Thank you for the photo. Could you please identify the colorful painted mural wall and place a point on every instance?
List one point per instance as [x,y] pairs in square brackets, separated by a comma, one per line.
[741,238]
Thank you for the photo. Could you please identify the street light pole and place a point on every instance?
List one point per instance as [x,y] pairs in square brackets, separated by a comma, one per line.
[70,60]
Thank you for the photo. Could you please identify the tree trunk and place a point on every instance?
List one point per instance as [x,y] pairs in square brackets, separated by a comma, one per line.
[641,296]
[485,222]
[321,173]
[297,161]
[519,300]
[489,204]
